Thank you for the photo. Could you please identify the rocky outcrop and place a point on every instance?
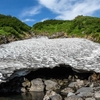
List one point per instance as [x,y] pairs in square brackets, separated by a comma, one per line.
[20,57]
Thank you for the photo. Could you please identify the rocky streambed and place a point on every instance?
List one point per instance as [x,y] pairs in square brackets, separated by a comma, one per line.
[59,83]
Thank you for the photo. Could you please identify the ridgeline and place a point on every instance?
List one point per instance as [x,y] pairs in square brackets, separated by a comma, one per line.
[82,26]
[12,29]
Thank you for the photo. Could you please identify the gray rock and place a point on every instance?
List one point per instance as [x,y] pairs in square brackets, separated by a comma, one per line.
[66,91]
[90,98]
[51,95]
[63,82]
[86,89]
[72,84]
[97,95]
[80,83]
[97,88]
[56,97]
[37,85]
[77,84]
[70,94]
[26,83]
[23,89]
[74,97]
[51,85]
[85,92]
[20,57]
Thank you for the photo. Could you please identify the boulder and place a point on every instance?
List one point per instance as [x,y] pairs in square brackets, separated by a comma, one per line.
[65,91]
[97,95]
[51,95]
[23,89]
[79,83]
[37,85]
[26,83]
[56,97]
[91,98]
[70,94]
[85,92]
[20,57]
[51,85]
[73,97]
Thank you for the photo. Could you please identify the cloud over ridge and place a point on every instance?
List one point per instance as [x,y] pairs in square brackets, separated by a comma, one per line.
[69,9]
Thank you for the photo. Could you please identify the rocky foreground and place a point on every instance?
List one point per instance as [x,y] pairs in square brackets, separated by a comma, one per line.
[72,86]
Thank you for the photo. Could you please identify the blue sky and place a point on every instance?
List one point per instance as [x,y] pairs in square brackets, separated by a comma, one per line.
[32,11]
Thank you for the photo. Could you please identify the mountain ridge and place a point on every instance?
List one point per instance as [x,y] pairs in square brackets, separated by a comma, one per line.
[12,29]
[81,26]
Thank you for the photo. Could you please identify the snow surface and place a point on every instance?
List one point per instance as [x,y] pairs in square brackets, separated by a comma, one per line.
[81,54]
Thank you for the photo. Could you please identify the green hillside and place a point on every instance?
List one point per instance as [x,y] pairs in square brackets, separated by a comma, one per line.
[81,26]
[12,29]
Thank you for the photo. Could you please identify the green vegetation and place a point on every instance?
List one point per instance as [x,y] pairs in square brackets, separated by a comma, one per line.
[12,28]
[81,26]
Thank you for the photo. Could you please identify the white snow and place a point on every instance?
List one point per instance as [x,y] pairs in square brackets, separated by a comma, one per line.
[81,54]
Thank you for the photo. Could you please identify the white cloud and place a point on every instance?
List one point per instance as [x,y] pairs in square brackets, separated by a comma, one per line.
[28,20]
[31,11]
[44,19]
[69,9]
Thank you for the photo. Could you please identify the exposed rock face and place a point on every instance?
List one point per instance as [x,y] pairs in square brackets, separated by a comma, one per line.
[20,57]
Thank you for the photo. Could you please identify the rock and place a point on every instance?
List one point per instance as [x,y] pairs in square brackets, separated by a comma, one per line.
[94,77]
[23,89]
[63,82]
[26,83]
[94,84]
[70,94]
[74,97]
[87,89]
[85,92]
[51,85]
[56,97]
[77,84]
[51,95]
[97,88]
[32,96]
[90,98]
[72,84]
[37,85]
[66,91]
[97,95]
[80,82]
[31,54]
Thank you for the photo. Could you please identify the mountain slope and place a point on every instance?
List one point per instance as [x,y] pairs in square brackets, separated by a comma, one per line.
[81,26]
[12,29]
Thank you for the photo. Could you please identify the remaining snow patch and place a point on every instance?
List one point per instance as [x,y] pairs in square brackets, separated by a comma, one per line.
[35,53]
